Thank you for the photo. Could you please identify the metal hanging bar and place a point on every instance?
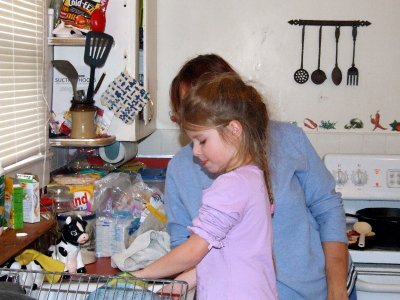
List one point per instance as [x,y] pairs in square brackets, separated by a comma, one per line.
[329,23]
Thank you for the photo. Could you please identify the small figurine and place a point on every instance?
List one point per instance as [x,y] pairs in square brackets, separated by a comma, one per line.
[73,234]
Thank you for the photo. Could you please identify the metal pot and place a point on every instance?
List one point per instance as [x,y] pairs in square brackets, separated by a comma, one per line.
[385,223]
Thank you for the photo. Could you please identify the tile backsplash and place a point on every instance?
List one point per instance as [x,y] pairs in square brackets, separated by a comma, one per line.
[166,142]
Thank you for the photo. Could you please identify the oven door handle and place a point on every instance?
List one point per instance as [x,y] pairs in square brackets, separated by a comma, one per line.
[365,286]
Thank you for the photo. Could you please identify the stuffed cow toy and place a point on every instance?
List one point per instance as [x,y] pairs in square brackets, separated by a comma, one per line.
[73,234]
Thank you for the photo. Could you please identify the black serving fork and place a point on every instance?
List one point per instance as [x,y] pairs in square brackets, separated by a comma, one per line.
[352,72]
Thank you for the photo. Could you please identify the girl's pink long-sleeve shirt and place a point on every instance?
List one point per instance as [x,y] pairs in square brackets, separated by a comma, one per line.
[235,219]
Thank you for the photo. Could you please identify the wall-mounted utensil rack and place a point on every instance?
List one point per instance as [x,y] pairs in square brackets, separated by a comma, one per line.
[319,76]
[329,23]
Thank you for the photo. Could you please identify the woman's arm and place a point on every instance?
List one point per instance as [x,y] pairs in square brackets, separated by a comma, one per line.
[326,207]
[184,183]
[177,215]
[336,256]
[183,257]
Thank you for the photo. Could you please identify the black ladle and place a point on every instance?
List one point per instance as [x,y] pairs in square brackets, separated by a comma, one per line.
[336,72]
[301,75]
[318,76]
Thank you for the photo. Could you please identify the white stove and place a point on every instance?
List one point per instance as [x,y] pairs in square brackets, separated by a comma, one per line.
[370,181]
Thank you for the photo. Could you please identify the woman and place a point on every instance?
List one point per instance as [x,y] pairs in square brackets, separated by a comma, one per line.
[310,242]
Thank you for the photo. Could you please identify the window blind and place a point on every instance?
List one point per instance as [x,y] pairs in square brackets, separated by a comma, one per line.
[23,108]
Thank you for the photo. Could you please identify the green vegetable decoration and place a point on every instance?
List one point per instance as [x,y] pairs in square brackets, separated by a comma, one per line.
[354,123]
[395,125]
[327,125]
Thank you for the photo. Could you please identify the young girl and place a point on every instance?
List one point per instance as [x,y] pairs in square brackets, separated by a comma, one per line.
[231,241]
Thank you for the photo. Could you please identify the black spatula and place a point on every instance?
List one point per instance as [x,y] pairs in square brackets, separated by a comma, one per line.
[97,48]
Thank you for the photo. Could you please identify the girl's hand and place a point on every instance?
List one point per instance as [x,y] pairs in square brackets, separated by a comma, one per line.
[171,291]
[136,273]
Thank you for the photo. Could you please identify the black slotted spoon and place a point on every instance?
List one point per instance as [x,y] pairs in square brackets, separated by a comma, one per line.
[97,48]
[301,75]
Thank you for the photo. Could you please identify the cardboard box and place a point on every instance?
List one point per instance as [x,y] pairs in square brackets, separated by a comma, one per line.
[31,201]
[83,196]
[13,207]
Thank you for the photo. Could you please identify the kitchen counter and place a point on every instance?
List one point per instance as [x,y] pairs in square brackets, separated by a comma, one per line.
[102,266]
[11,245]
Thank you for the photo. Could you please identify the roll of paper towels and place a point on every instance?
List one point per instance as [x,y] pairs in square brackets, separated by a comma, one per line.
[118,152]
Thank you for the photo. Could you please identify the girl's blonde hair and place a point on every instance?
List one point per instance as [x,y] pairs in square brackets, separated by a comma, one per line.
[215,101]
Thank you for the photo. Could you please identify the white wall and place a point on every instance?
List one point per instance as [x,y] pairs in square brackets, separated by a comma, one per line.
[255,37]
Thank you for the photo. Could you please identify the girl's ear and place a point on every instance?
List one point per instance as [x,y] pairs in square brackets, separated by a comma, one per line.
[235,127]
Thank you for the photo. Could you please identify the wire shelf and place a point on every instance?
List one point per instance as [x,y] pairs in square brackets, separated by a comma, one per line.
[30,284]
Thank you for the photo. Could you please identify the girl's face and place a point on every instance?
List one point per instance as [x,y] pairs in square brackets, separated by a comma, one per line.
[213,152]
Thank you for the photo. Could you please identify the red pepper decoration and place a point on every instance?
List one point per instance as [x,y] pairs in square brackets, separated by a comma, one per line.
[375,120]
[310,123]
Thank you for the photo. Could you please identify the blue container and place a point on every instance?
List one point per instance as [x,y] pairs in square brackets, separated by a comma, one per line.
[154,177]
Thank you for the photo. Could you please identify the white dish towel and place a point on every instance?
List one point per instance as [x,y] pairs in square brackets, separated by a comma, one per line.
[145,249]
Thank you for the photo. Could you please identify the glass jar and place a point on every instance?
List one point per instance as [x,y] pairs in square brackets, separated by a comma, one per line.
[62,198]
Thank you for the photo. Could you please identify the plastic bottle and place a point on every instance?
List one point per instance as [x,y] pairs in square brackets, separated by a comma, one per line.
[104,236]
[56,6]
[50,13]
[120,236]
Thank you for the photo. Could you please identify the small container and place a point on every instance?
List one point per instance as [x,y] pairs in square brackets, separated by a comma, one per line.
[83,119]
[120,239]
[62,197]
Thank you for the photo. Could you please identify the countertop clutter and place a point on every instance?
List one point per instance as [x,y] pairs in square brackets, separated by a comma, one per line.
[122,199]
[122,216]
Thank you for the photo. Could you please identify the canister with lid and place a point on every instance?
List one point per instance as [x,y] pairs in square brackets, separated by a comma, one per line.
[83,119]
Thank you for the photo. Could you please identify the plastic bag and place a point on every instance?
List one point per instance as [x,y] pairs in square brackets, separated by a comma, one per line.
[121,203]
[115,192]
[77,14]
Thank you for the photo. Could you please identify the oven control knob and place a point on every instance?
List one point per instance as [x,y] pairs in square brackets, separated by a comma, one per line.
[341,177]
[359,177]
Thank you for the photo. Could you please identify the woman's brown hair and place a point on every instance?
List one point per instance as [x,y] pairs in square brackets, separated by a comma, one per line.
[191,71]
[216,101]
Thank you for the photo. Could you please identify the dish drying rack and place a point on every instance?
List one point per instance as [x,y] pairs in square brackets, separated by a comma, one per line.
[88,286]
